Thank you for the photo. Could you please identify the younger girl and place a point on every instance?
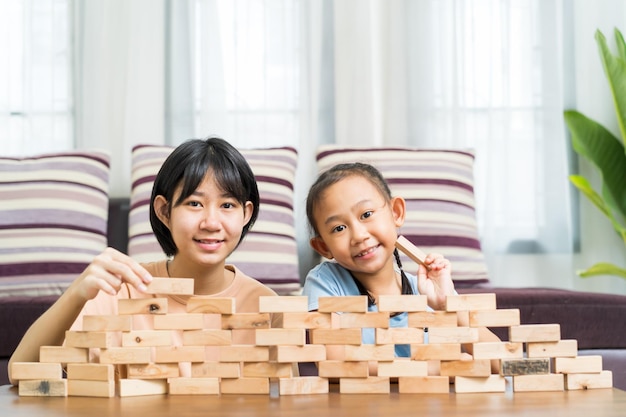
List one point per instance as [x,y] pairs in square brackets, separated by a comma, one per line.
[204,201]
[354,220]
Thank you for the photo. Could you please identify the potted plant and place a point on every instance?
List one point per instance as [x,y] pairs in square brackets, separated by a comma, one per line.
[605,151]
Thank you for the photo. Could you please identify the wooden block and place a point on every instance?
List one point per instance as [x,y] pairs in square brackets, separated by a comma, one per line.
[152,371]
[181,286]
[36,370]
[578,365]
[169,354]
[216,369]
[90,339]
[109,323]
[497,350]
[245,386]
[126,355]
[363,320]
[476,368]
[602,379]
[139,387]
[136,338]
[412,251]
[369,352]
[91,388]
[369,385]
[209,304]
[273,337]
[267,369]
[535,383]
[494,318]
[63,354]
[424,385]
[402,303]
[399,335]
[452,335]
[560,348]
[402,368]
[308,320]
[536,366]
[194,386]
[341,369]
[282,304]
[190,321]
[335,336]
[303,385]
[207,337]
[535,333]
[345,304]
[436,351]
[142,306]
[42,388]
[90,371]
[471,302]
[243,353]
[305,353]
[468,384]
[246,321]
[427,319]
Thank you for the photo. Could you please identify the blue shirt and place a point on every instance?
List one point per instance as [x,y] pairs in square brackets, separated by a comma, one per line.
[329,279]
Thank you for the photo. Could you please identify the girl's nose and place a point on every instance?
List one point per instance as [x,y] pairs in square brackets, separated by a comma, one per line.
[210,220]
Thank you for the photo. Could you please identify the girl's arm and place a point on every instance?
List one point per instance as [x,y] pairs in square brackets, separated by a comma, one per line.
[106,273]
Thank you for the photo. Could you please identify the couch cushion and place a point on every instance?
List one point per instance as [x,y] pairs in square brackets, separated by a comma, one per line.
[268,252]
[438,186]
[53,219]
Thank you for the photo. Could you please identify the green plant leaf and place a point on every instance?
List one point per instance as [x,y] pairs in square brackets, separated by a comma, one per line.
[602,268]
[615,69]
[595,143]
[621,46]
[583,185]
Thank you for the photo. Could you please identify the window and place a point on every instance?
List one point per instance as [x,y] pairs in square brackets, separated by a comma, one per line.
[36,106]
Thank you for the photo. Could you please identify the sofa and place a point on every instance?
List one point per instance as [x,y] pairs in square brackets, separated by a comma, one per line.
[595,320]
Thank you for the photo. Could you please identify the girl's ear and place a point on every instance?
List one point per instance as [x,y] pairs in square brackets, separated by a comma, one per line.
[320,247]
[248,208]
[162,210]
[398,210]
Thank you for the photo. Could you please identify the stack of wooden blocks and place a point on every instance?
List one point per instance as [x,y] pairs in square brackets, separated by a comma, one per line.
[145,362]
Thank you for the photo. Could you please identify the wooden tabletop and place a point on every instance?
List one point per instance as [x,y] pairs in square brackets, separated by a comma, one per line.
[599,402]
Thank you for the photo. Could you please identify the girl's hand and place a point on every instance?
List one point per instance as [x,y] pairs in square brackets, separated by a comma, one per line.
[107,272]
[435,283]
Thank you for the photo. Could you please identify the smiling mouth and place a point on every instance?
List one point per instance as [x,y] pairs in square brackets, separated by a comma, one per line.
[366,252]
[208,241]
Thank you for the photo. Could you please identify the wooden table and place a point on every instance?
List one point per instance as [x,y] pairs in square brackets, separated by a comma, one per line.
[594,403]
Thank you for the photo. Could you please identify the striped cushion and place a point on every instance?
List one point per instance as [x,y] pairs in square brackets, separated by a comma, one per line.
[53,219]
[269,251]
[438,186]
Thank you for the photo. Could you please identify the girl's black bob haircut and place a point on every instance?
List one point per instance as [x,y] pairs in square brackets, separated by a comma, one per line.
[187,166]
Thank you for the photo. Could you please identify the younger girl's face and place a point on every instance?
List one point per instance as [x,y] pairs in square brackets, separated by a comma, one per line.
[357,226]
[207,225]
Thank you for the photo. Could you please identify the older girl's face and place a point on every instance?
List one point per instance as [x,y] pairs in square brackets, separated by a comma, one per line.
[357,226]
[207,225]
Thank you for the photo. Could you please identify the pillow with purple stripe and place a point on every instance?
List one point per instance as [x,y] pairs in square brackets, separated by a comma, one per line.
[53,219]
[269,251]
[438,186]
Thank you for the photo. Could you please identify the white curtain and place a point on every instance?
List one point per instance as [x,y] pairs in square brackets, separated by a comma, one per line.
[485,75]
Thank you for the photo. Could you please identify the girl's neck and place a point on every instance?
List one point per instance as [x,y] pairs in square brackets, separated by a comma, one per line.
[207,280]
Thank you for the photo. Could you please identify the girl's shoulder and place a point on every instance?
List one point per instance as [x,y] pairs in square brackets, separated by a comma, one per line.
[326,270]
